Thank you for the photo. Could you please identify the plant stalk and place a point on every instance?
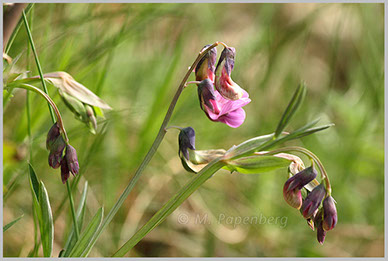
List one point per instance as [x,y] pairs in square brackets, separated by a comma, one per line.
[155,145]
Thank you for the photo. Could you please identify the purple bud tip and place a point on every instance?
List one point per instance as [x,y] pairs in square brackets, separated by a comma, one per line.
[186,141]
[321,233]
[329,214]
[52,135]
[313,200]
[71,158]
[55,159]
[64,170]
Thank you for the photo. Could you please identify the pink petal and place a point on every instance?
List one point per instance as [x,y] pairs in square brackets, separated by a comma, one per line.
[234,118]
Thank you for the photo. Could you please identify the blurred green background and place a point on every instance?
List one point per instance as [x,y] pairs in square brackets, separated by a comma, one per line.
[134,57]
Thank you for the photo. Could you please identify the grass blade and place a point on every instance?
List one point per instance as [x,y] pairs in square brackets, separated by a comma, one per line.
[82,247]
[10,224]
[46,226]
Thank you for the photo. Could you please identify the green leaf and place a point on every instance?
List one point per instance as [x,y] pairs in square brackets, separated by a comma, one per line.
[257,164]
[292,107]
[248,147]
[47,225]
[83,245]
[71,240]
[34,181]
[10,224]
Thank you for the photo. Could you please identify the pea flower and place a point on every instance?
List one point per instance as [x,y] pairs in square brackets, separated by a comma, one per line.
[329,214]
[291,190]
[186,141]
[205,67]
[313,200]
[217,108]
[71,159]
[321,233]
[224,84]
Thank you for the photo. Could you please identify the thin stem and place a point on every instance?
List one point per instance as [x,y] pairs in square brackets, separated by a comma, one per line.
[50,102]
[37,61]
[171,205]
[192,82]
[72,210]
[154,147]
[322,170]
[173,127]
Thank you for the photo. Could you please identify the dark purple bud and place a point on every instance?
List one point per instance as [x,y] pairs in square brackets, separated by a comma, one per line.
[291,190]
[321,233]
[71,158]
[329,213]
[207,98]
[65,173]
[313,200]
[52,135]
[205,67]
[55,159]
[186,141]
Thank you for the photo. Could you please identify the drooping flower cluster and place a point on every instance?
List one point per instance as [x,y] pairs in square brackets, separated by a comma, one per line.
[67,161]
[318,207]
[220,97]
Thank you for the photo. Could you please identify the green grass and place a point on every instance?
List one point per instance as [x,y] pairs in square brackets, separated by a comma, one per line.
[134,57]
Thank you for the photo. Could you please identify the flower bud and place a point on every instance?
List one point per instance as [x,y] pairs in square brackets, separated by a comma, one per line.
[55,159]
[224,84]
[71,159]
[92,121]
[64,170]
[52,135]
[207,98]
[205,67]
[321,233]
[329,214]
[291,190]
[313,200]
[186,141]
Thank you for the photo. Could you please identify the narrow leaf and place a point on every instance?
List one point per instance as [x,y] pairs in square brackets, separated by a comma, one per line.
[34,181]
[292,107]
[257,164]
[10,224]
[248,147]
[47,225]
[81,247]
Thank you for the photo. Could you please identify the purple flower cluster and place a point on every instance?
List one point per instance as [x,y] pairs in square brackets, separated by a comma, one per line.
[56,145]
[323,218]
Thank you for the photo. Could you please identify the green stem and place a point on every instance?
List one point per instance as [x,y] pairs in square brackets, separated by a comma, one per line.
[171,205]
[322,170]
[37,61]
[72,210]
[154,147]
[50,102]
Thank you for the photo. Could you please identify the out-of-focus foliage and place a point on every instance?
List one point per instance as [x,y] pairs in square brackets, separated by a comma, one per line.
[134,56]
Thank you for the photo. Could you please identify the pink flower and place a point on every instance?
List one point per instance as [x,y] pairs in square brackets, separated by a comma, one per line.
[217,108]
